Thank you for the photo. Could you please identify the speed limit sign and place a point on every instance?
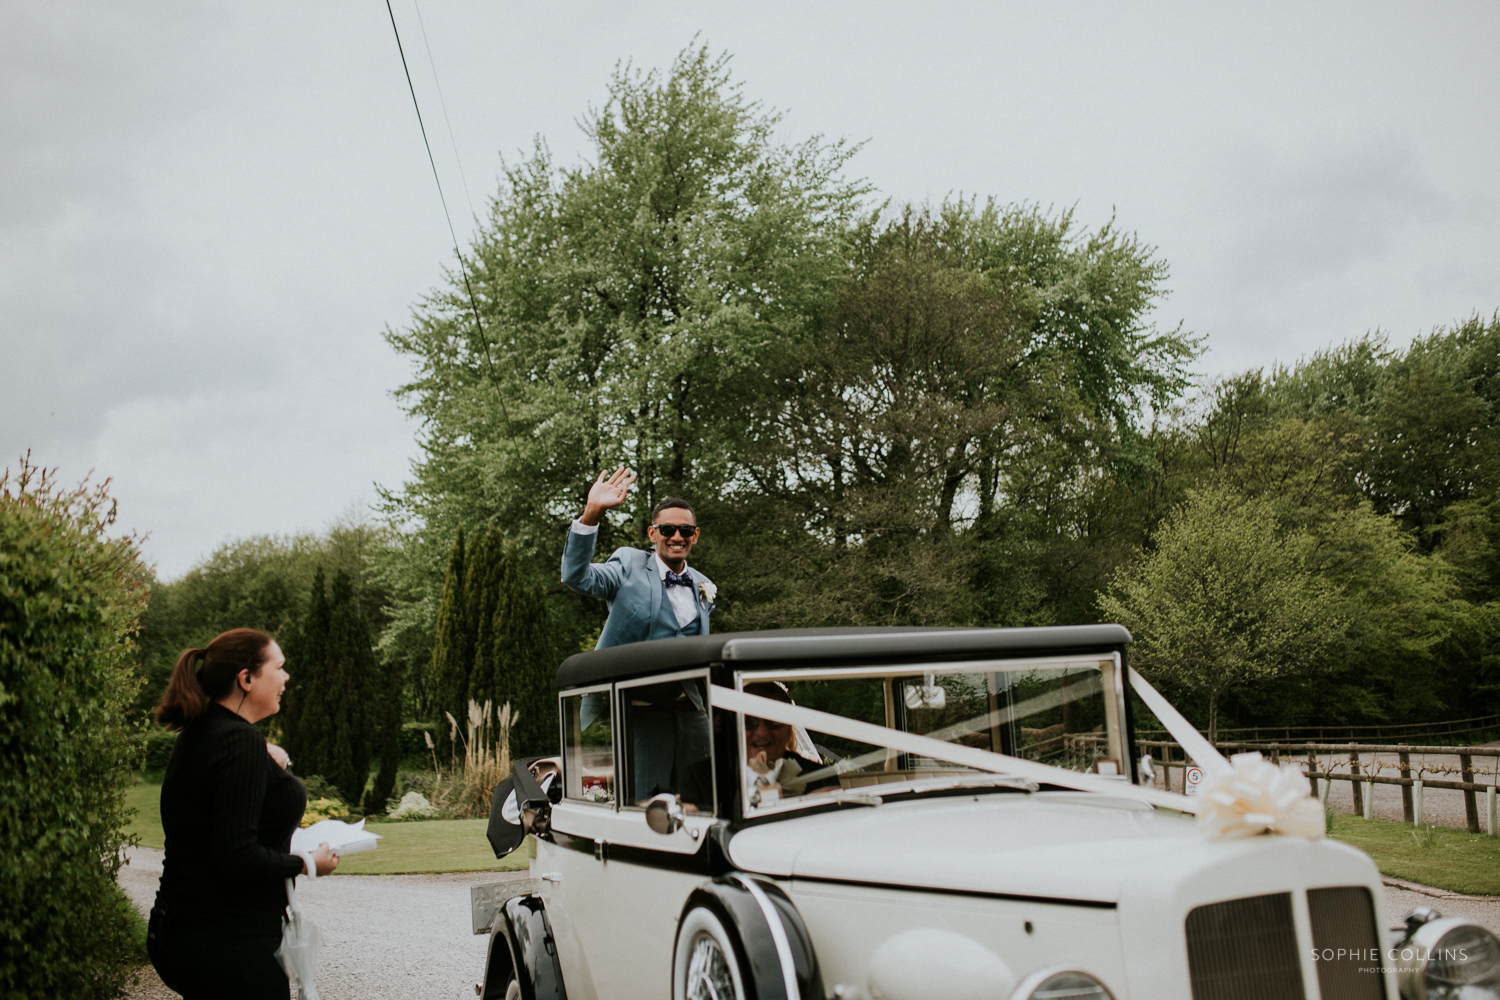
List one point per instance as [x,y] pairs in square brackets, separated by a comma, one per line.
[1194,779]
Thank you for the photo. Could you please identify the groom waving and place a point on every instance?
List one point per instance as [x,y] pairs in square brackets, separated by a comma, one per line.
[651,595]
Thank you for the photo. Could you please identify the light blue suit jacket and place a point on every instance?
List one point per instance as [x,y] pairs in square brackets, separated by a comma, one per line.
[629,583]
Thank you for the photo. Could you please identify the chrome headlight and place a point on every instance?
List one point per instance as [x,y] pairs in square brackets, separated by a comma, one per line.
[1063,984]
[1450,959]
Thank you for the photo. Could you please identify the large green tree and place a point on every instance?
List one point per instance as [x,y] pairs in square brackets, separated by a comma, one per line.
[629,304]
[1224,600]
[976,366]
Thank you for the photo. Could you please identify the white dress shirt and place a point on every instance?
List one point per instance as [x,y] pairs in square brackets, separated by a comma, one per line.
[684,601]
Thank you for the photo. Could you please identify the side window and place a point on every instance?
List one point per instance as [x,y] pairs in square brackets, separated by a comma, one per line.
[669,743]
[588,747]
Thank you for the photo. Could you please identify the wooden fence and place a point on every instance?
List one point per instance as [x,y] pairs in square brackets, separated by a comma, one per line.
[1363,774]
[1406,732]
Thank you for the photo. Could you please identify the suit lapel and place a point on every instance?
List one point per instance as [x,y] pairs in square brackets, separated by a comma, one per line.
[657,587]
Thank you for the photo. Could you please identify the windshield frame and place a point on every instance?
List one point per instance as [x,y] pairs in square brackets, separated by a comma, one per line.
[1109,664]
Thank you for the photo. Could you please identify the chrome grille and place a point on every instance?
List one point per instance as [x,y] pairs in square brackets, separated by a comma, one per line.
[1244,949]
[1346,940]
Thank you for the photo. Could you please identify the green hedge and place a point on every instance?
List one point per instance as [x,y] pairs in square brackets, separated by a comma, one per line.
[70,598]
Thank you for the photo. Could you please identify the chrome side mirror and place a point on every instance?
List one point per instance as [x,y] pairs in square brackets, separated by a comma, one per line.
[1148,769]
[664,813]
[928,694]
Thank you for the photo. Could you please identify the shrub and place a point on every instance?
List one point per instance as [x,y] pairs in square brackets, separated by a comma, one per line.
[320,809]
[70,598]
[413,805]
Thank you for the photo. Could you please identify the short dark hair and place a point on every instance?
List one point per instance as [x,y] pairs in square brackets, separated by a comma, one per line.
[671,502]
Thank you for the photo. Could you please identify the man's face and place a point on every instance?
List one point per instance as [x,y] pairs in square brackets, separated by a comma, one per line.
[681,526]
[764,737]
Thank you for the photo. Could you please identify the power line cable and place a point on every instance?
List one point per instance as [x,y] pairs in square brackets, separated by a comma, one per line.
[443,103]
[463,268]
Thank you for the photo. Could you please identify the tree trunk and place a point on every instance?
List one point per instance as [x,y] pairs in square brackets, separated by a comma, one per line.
[1213,716]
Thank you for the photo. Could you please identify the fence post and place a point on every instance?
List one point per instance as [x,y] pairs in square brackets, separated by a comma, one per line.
[1489,802]
[1359,805]
[1312,769]
[1406,808]
[1416,794]
[1471,807]
[1166,772]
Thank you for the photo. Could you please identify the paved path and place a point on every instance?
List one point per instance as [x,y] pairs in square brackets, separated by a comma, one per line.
[409,936]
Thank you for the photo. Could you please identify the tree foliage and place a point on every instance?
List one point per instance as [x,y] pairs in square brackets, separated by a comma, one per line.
[70,599]
[259,582]
[495,644]
[333,721]
[1226,598]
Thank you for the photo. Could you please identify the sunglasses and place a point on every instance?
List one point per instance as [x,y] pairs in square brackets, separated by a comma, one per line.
[668,530]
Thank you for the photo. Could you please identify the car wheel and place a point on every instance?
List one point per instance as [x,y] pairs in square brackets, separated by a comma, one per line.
[513,989]
[705,966]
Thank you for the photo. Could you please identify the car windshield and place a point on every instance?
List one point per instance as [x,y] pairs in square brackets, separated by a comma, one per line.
[1064,712]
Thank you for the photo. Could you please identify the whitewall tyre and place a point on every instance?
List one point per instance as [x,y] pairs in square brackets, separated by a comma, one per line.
[704,964]
[513,990]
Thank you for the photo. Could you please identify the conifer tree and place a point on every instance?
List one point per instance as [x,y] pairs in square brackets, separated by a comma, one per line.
[528,669]
[305,712]
[350,690]
[452,651]
[387,741]
[515,661]
[487,583]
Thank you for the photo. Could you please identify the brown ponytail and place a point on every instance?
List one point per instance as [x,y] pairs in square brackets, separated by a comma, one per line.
[193,685]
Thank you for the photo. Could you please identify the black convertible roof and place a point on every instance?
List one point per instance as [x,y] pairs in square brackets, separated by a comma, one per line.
[797,646]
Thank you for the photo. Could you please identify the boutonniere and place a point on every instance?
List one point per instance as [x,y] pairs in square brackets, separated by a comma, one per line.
[706,592]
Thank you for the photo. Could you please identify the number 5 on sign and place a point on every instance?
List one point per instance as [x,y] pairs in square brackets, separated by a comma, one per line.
[1194,779]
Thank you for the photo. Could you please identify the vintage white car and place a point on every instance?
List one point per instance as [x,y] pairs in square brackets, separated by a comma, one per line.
[906,814]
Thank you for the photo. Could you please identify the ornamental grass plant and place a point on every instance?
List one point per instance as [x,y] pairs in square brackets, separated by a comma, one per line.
[486,760]
[467,788]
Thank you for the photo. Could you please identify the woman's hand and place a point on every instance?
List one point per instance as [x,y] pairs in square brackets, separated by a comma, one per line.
[279,756]
[326,860]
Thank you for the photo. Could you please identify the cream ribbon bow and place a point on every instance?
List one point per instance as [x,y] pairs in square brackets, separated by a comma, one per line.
[1245,795]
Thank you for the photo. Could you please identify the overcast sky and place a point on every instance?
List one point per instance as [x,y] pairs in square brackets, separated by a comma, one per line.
[210,212]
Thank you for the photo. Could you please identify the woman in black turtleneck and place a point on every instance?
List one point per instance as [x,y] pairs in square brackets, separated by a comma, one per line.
[228,810]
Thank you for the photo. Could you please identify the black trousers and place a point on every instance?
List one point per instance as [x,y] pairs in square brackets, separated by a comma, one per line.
[208,963]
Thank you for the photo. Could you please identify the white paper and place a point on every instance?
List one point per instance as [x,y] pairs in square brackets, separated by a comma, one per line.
[344,838]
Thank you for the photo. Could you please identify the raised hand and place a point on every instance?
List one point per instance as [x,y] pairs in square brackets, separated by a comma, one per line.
[607,493]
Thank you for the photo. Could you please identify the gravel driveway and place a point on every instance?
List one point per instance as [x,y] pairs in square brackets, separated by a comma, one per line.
[409,936]
[384,936]
[1440,806]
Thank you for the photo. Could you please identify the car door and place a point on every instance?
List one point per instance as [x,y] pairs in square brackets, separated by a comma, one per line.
[623,885]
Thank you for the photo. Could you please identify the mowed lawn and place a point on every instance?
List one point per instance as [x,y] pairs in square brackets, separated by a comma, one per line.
[1455,860]
[1450,859]
[436,845]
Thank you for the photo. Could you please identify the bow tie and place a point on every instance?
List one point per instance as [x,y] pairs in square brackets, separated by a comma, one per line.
[675,580]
